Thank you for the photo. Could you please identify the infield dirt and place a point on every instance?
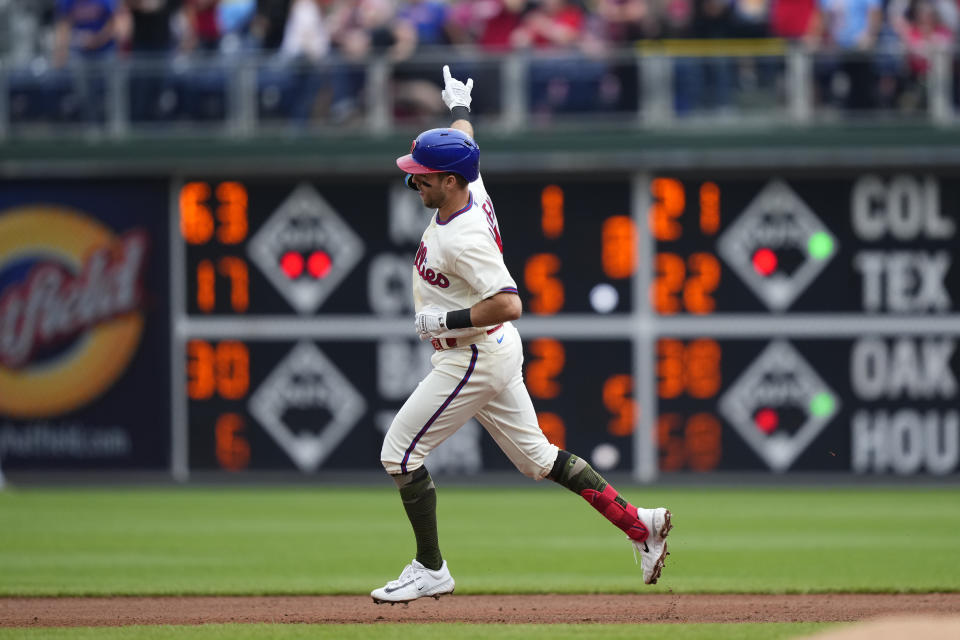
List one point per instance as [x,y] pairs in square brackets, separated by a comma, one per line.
[593,608]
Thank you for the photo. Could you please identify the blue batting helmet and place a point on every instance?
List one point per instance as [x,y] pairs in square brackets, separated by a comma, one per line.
[442,150]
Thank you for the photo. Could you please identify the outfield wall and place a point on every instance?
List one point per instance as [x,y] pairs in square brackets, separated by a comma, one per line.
[748,302]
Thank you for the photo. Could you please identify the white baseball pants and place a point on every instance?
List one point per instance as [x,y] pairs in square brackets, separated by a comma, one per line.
[482,380]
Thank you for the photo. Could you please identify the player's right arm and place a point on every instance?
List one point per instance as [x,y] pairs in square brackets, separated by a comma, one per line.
[456,95]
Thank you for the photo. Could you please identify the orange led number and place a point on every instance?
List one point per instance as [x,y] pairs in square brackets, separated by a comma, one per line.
[702,368]
[670,378]
[693,369]
[670,275]
[709,208]
[698,447]
[206,286]
[201,382]
[672,455]
[539,276]
[551,206]
[552,426]
[235,271]
[232,369]
[702,442]
[196,221]
[668,204]
[233,449]
[619,252]
[694,280]
[547,363]
[224,369]
[704,269]
[232,212]
[617,392]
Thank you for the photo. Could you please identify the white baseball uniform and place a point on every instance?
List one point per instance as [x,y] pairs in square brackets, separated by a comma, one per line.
[477,372]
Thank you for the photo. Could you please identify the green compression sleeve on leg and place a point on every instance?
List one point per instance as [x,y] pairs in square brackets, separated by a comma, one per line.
[575,474]
[419,497]
[578,476]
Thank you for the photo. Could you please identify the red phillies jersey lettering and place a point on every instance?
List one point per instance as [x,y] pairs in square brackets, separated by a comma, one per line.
[432,277]
[492,223]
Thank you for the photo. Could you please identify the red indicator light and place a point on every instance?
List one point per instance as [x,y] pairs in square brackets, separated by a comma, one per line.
[292,264]
[765,261]
[318,264]
[767,420]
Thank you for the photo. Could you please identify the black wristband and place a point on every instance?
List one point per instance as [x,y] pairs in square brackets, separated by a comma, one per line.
[459,319]
[461,113]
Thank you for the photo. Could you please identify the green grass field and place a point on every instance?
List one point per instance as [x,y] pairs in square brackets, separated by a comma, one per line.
[497,540]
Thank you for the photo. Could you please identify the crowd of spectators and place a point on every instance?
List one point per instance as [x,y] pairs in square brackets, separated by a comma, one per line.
[318,48]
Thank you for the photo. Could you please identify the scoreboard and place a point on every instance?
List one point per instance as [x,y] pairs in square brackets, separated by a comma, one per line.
[675,322]
[293,320]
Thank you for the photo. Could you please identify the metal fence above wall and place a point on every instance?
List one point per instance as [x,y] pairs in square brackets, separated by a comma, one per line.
[661,85]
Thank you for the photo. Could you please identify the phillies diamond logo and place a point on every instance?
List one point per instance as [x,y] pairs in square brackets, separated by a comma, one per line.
[305,249]
[307,406]
[779,405]
[777,246]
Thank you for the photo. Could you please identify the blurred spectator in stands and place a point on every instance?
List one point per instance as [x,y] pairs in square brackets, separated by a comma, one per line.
[706,82]
[269,23]
[420,25]
[306,36]
[86,28]
[201,27]
[359,29]
[306,44]
[571,78]
[846,31]
[487,23]
[551,24]
[149,24]
[233,21]
[750,18]
[149,35]
[924,33]
[901,13]
[428,18]
[790,19]
[624,21]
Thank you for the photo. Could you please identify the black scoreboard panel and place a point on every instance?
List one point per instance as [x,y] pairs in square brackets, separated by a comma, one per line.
[753,249]
[300,247]
[325,404]
[867,242]
[870,404]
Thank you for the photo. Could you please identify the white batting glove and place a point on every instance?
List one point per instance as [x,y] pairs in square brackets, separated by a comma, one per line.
[455,93]
[430,322]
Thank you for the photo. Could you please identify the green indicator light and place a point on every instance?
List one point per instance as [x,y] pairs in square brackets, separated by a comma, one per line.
[820,245]
[822,405]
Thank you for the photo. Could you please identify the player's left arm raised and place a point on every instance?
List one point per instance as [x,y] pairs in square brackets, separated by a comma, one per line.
[456,95]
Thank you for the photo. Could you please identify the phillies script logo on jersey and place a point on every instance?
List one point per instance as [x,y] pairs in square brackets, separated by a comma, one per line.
[70,292]
[435,278]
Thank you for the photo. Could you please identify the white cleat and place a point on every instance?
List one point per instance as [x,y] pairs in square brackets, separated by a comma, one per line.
[415,581]
[653,550]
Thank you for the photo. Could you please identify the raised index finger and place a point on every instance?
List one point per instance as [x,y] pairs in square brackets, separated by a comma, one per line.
[446,73]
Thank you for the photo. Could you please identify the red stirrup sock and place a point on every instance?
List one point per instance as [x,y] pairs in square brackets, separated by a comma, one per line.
[617,510]
[575,474]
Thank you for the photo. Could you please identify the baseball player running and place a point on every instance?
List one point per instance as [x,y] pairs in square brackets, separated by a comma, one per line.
[465,300]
